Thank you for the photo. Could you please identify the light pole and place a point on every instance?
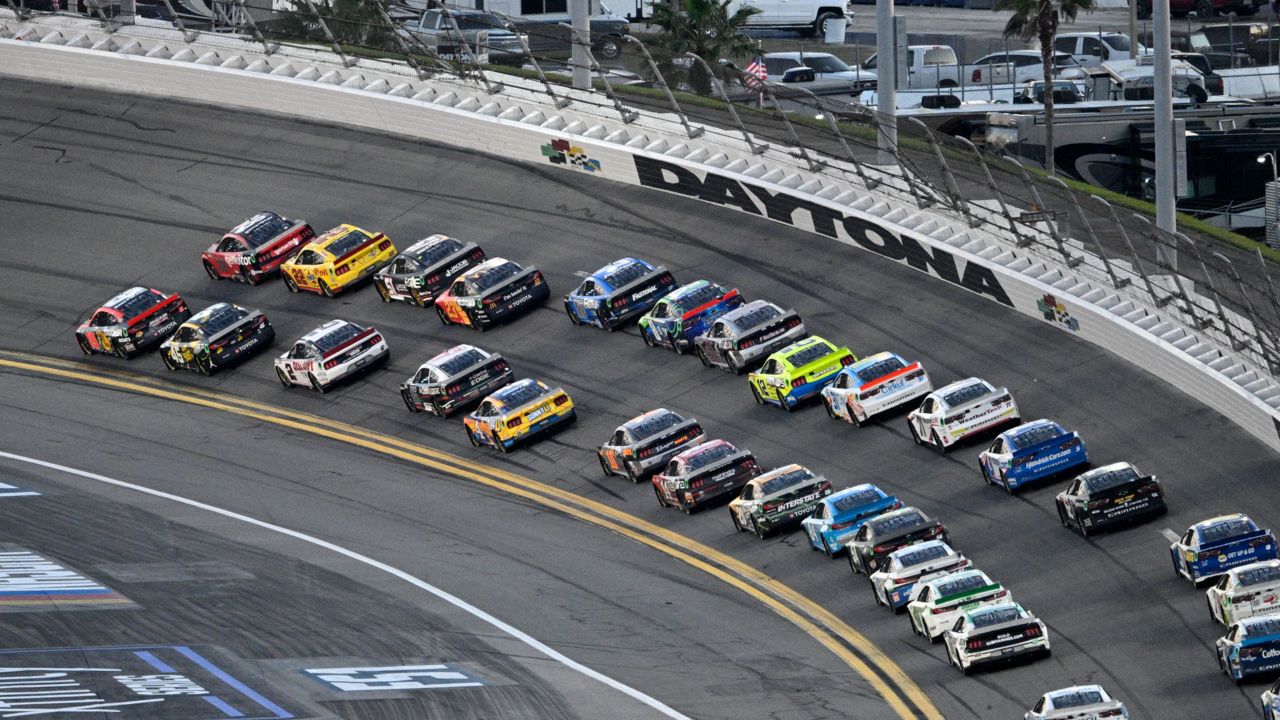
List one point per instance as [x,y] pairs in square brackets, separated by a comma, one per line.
[1262,160]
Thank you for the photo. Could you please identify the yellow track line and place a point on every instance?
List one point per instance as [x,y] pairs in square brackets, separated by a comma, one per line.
[749,580]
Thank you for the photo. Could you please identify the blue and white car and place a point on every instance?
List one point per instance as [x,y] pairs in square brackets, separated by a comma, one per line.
[1211,547]
[838,516]
[873,385]
[906,568]
[1271,702]
[1250,648]
[618,292]
[1029,452]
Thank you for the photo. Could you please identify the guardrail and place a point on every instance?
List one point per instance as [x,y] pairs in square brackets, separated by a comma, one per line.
[916,213]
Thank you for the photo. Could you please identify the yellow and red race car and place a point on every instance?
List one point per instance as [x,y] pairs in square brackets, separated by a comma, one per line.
[518,412]
[336,260]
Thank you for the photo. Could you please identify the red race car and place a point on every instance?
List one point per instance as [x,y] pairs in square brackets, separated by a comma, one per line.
[134,321]
[256,248]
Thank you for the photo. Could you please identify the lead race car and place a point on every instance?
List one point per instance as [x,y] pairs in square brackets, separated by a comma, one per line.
[255,248]
[490,293]
[1107,496]
[873,385]
[741,338]
[519,412]
[1246,591]
[905,567]
[703,474]
[217,337]
[685,313]
[1030,452]
[1211,547]
[453,379]
[646,442]
[838,516]
[334,351]
[1082,702]
[425,268]
[617,292]
[132,322]
[960,410]
[995,634]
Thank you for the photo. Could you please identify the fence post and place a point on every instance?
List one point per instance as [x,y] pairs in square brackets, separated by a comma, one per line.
[1116,282]
[995,190]
[557,101]
[404,44]
[953,188]
[844,144]
[20,11]
[346,61]
[628,116]
[1177,279]
[692,132]
[268,48]
[1236,345]
[1260,336]
[1271,289]
[814,165]
[492,88]
[1137,261]
[756,149]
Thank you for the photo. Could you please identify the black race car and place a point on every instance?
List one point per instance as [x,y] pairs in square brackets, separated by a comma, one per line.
[1107,496]
[426,268]
[702,474]
[216,337]
[491,292]
[454,379]
[878,537]
[132,322]
[646,442]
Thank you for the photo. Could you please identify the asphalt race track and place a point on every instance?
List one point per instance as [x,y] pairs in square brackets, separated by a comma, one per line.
[102,191]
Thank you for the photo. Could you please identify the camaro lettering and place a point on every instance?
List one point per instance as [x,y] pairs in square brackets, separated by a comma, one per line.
[827,221]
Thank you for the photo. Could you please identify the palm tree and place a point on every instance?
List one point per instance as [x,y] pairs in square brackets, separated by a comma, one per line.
[1039,19]
[706,28]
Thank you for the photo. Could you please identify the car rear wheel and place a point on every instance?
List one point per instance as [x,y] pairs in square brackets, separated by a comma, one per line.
[568,309]
[733,366]
[289,282]
[1008,487]
[679,349]
[609,47]
[324,288]
[783,401]
[826,548]
[853,566]
[604,466]
[408,401]
[444,318]
[986,477]
[858,420]
[284,379]
[820,25]
[84,344]
[702,356]
[502,448]
[937,443]
[208,268]
[826,405]
[1084,531]
[647,340]
[755,528]
[315,384]
[382,291]
[247,276]
[633,474]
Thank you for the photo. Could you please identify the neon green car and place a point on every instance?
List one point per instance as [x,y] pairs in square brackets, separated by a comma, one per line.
[798,372]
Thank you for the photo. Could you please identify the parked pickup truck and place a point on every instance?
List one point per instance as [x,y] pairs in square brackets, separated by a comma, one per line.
[1214,546]
[1018,66]
[485,33]
[931,66]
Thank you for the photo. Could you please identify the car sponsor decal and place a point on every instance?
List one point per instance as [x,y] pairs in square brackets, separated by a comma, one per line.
[643,292]
[1049,458]
[7,490]
[792,504]
[399,677]
[454,268]
[29,581]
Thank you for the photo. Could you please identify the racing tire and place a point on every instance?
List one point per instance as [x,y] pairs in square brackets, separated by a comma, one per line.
[248,277]
[689,509]
[915,436]
[289,283]
[633,475]
[785,405]
[382,292]
[755,528]
[443,318]
[733,366]
[84,344]
[604,465]
[876,596]
[678,348]
[702,357]
[204,367]
[476,323]
[1007,487]
[937,443]
[756,394]
[665,504]
[826,548]
[737,526]
[119,351]
[213,274]
[169,364]
[404,395]
[858,422]
[965,671]
[325,290]
[498,444]
[572,317]
[1062,516]
[826,405]
[986,477]
[284,379]
[853,567]
[315,384]
[914,630]
[647,340]
[1212,615]
[1084,531]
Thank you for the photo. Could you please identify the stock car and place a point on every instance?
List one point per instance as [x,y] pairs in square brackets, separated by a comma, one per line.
[905,567]
[337,260]
[255,248]
[132,322]
[1082,702]
[873,385]
[419,273]
[960,410]
[1029,452]
[646,442]
[1250,648]
[995,634]
[1214,546]
[337,349]
[742,338]
[491,292]
[880,536]
[704,473]
[1247,591]
[798,372]
[840,515]
[776,498]
[454,379]
[1109,495]
[217,337]
[685,313]
[1271,703]
[519,412]
[940,601]
[618,292]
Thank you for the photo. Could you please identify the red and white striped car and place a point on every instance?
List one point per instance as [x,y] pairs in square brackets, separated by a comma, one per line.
[331,352]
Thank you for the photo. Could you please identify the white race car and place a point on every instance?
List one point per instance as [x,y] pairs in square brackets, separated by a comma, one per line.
[873,385]
[940,601]
[910,566]
[996,633]
[1082,702]
[329,353]
[960,410]
[1246,591]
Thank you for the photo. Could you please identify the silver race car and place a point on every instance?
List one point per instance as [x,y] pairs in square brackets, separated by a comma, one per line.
[457,377]
[742,338]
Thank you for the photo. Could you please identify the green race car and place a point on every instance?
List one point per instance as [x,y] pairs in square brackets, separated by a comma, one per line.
[798,372]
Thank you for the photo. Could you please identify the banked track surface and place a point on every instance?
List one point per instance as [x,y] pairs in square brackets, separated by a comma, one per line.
[103,191]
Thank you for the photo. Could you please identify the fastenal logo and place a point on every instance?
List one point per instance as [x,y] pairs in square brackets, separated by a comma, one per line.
[1055,312]
[561,152]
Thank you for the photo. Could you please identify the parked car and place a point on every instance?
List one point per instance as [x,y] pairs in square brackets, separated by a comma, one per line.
[1016,66]
[930,66]
[1095,48]
[808,17]
[485,33]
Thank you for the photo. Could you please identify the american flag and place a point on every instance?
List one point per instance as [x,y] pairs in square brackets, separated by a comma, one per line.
[757,75]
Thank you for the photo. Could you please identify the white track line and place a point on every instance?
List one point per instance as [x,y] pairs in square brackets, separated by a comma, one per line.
[396,572]
[1172,536]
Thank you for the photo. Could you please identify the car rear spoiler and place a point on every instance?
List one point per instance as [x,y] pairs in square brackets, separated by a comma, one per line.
[154,309]
[1047,444]
[891,376]
[1255,535]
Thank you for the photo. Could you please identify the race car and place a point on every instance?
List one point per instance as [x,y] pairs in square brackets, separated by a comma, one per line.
[1029,452]
[518,413]
[617,292]
[873,385]
[685,313]
[217,337]
[878,537]
[798,372]
[703,474]
[132,322]
[255,248]
[337,260]
[1246,591]
[1082,702]
[454,379]
[995,634]
[1250,648]
[1271,703]
[776,498]
[740,339]
[960,410]
[905,567]
[840,515]
[1107,496]
[491,292]
[646,442]
[336,350]
[939,602]
[425,268]
[1214,546]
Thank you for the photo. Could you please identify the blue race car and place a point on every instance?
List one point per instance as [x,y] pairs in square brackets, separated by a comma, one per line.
[1029,452]
[1214,546]
[1250,648]
[685,313]
[838,516]
[617,292]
